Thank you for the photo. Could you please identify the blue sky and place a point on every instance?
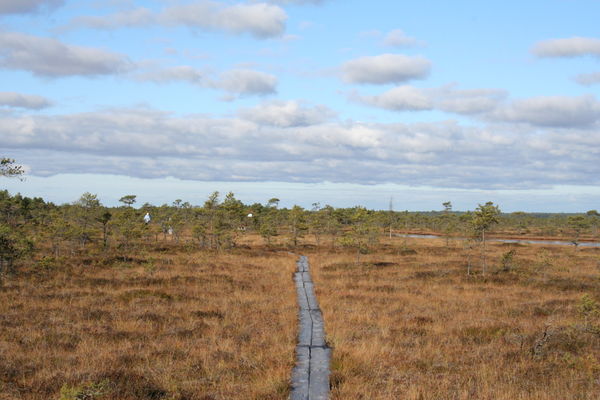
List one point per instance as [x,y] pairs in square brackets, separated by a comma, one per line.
[343,103]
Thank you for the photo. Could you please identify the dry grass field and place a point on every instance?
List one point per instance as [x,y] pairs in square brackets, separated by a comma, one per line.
[405,322]
[408,323]
[162,324]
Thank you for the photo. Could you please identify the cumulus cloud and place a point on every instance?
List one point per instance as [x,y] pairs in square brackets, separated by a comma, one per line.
[261,20]
[588,79]
[469,101]
[246,82]
[52,58]
[397,38]
[492,105]
[385,68]
[18,100]
[237,82]
[447,98]
[553,111]
[28,6]
[150,143]
[287,114]
[401,98]
[184,73]
[569,47]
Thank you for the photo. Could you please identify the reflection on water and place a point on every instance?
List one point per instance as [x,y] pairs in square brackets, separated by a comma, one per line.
[520,241]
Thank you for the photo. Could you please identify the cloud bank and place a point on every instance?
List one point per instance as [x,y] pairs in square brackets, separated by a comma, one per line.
[491,105]
[553,111]
[294,142]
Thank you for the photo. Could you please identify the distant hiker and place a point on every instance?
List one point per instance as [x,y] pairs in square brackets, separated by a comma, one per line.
[147,218]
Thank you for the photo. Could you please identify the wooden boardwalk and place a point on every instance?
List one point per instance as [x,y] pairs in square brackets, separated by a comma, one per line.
[310,377]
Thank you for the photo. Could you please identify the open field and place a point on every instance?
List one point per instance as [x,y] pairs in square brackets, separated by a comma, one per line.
[162,324]
[406,321]
[409,323]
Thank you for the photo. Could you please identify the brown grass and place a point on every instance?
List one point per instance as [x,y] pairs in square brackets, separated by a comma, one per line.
[412,324]
[166,324]
[404,322]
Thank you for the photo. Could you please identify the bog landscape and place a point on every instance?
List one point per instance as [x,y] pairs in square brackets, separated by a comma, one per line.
[299,200]
[186,301]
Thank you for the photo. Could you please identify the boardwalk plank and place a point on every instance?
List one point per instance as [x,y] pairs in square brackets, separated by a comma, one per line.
[310,377]
[319,373]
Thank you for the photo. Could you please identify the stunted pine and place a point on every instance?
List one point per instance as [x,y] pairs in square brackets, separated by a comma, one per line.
[484,217]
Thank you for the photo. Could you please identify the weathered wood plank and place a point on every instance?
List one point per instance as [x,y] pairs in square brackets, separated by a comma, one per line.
[318,329]
[319,373]
[305,333]
[301,374]
[310,377]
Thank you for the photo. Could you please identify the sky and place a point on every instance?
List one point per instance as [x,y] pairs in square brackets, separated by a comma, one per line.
[337,102]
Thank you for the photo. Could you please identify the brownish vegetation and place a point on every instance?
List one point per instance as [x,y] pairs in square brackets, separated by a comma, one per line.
[162,324]
[100,303]
[409,323]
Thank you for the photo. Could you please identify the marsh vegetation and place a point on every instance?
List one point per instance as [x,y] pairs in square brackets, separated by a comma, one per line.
[199,302]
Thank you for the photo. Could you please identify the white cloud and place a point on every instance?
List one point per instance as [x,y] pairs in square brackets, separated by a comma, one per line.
[588,79]
[470,101]
[237,82]
[28,6]
[401,98]
[18,100]
[184,73]
[287,114]
[553,111]
[397,38]
[446,98]
[246,82]
[261,20]
[52,58]
[491,104]
[150,143]
[570,47]
[385,68]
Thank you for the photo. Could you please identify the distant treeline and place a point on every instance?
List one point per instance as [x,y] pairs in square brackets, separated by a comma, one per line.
[31,228]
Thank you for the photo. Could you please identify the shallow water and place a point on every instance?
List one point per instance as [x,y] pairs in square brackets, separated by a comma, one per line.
[520,241]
